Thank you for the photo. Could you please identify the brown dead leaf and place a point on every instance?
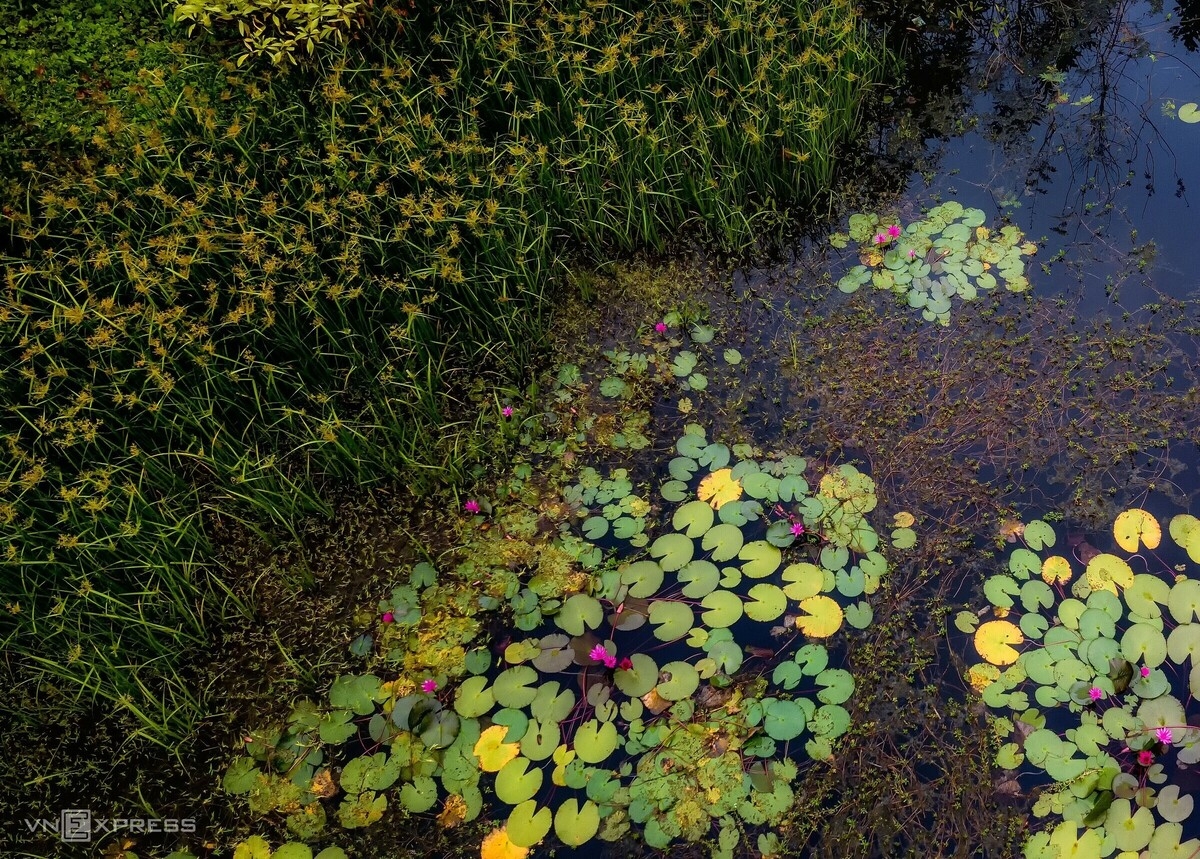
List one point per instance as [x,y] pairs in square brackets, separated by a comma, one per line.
[453,812]
[654,702]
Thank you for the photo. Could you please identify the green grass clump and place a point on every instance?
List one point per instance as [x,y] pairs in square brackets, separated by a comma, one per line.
[274,279]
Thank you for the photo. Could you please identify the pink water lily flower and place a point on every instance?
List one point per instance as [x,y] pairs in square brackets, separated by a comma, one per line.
[1164,735]
[1145,758]
[472,506]
[894,230]
[388,617]
[429,686]
[797,529]
[880,238]
[1145,671]
[1096,692]
[626,664]
[506,411]
[598,653]
[661,328]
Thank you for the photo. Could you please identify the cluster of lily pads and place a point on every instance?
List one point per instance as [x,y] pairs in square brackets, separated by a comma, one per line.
[1094,671]
[674,744]
[947,253]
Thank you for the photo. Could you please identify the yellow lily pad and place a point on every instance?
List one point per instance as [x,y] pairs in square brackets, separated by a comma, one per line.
[498,846]
[1107,572]
[1136,526]
[719,488]
[1056,570]
[993,640]
[822,619]
[492,751]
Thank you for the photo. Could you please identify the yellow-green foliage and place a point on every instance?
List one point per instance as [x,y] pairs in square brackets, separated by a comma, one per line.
[270,283]
[276,29]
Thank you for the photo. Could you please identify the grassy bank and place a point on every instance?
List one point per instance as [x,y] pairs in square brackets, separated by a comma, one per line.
[255,281]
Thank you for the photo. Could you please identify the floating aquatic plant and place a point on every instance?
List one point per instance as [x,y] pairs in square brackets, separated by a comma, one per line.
[1092,668]
[947,253]
[674,744]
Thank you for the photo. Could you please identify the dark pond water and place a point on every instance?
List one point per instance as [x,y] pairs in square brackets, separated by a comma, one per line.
[1064,123]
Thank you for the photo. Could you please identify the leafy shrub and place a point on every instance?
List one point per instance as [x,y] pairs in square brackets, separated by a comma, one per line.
[276,29]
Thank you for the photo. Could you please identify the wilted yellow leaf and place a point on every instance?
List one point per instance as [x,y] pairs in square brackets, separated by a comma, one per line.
[719,488]
[1011,529]
[654,702]
[453,812]
[903,519]
[492,751]
[497,846]
[1134,526]
[1056,570]
[993,640]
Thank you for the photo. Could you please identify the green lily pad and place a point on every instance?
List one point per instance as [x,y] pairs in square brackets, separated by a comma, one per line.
[674,490]
[541,739]
[672,620]
[514,687]
[516,782]
[722,609]
[1130,830]
[554,654]
[1147,595]
[575,824]
[595,527]
[693,518]
[1143,643]
[527,824]
[784,720]
[760,559]
[515,720]
[699,578]
[1184,643]
[838,685]
[1184,600]
[473,697]
[638,680]
[595,741]
[723,541]
[860,614]
[1039,535]
[673,551]
[644,578]
[803,581]
[1173,807]
[355,692]
[767,602]
[1189,112]
[578,613]
[550,704]
[733,356]
[682,680]
[419,795]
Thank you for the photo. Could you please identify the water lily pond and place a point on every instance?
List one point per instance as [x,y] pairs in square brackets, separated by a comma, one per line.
[881,542]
